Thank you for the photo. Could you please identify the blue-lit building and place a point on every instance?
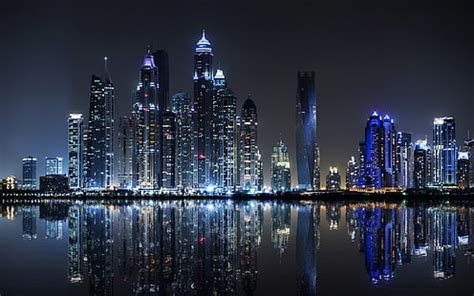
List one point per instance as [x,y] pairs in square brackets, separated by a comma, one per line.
[53,166]
[307,152]
[29,173]
[203,97]
[145,116]
[444,151]
[378,153]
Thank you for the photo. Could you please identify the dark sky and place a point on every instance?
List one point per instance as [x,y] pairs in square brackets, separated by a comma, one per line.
[412,60]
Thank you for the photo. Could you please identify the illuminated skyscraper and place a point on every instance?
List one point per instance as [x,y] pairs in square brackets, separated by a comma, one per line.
[145,115]
[225,137]
[281,174]
[307,152]
[183,109]
[421,164]
[444,151]
[53,166]
[168,150]
[125,154]
[352,173]
[378,157]
[248,147]
[75,150]
[463,170]
[404,160]
[469,148]
[99,138]
[203,95]
[29,173]
[333,179]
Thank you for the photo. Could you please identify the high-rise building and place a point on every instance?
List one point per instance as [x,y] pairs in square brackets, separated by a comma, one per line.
[463,170]
[333,179]
[29,173]
[183,109]
[168,150]
[444,151]
[377,153]
[53,166]
[404,160]
[75,150]
[203,96]
[421,164]
[99,138]
[281,174]
[125,154]
[160,58]
[248,147]
[469,148]
[145,115]
[259,171]
[352,173]
[307,152]
[225,138]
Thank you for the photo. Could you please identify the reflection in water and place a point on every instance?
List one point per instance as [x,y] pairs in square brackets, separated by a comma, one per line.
[213,247]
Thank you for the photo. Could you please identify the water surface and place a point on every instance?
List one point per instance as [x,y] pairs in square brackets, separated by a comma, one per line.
[225,247]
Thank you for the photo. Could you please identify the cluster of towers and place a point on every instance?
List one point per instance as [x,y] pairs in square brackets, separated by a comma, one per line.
[389,158]
[168,143]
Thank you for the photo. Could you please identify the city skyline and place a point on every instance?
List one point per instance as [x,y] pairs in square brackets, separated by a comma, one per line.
[273,95]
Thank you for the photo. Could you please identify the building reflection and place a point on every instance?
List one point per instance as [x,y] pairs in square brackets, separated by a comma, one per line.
[193,247]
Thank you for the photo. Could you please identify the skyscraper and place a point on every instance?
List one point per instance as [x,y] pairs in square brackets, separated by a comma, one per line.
[183,109]
[168,150]
[377,153]
[281,174]
[145,115]
[53,166]
[75,150]
[307,152]
[421,164]
[404,160]
[444,151]
[248,147]
[225,142]
[463,170]
[99,138]
[29,173]
[125,154]
[352,173]
[203,95]
[333,179]
[160,58]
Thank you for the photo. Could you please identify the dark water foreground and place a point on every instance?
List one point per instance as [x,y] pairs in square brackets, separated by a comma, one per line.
[225,247]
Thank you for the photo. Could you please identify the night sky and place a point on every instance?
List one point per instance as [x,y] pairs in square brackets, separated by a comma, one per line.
[412,61]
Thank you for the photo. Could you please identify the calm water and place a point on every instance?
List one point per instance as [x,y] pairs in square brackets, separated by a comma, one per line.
[235,248]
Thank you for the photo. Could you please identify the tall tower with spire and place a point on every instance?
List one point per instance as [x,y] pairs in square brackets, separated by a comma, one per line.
[145,114]
[202,103]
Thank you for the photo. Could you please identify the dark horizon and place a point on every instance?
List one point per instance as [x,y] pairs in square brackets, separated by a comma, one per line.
[411,62]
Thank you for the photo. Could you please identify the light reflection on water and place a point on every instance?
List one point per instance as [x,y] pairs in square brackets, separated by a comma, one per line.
[222,247]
